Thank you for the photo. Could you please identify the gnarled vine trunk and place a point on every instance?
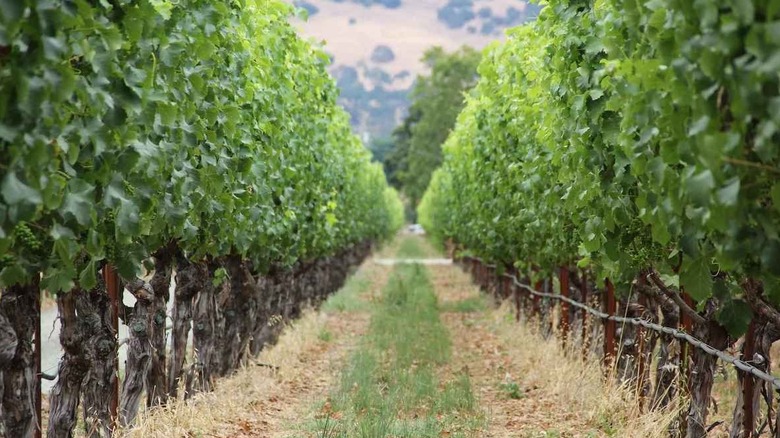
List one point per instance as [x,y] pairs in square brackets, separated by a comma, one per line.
[73,367]
[205,330]
[95,317]
[190,279]
[156,382]
[668,366]
[265,290]
[240,312]
[703,371]
[139,351]
[8,344]
[766,333]
[21,306]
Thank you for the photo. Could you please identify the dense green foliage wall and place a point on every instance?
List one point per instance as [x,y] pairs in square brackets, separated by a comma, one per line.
[623,136]
[125,125]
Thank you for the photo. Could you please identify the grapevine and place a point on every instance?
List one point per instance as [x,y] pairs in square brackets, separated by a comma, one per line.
[617,136]
[164,130]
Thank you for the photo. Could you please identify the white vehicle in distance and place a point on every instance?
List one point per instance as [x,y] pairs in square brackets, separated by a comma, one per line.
[415,229]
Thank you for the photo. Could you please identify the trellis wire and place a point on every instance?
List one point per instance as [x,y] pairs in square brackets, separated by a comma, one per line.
[678,334]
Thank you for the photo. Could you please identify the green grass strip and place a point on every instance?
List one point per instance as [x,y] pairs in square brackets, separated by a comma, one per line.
[390,386]
[414,247]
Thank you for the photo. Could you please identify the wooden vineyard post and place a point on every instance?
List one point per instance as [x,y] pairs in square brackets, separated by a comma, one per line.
[489,280]
[563,277]
[686,325]
[112,287]
[493,279]
[748,383]
[585,337]
[609,324]
[640,352]
[537,301]
[514,292]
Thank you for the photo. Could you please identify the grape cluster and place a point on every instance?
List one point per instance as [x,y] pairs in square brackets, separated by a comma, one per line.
[26,238]
[6,260]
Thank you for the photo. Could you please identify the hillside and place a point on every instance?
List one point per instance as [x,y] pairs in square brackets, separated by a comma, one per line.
[376,46]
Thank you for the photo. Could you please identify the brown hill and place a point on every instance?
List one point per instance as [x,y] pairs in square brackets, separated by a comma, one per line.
[377,45]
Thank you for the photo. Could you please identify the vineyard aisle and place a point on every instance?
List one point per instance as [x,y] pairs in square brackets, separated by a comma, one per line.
[409,350]
[441,360]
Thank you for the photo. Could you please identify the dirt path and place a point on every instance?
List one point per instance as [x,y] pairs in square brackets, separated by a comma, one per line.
[511,409]
[279,411]
[525,384]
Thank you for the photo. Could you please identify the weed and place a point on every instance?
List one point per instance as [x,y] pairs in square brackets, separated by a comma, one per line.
[325,336]
[512,390]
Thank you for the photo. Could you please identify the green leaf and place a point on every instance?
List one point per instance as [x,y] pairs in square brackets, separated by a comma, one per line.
[13,274]
[670,280]
[57,280]
[11,10]
[745,10]
[78,203]
[61,232]
[770,257]
[128,219]
[772,289]
[729,194]
[88,276]
[735,316]
[15,192]
[775,193]
[700,186]
[696,278]
[163,7]
[699,126]
[94,245]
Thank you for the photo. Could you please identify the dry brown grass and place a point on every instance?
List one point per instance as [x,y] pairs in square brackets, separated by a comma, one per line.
[559,395]
[233,409]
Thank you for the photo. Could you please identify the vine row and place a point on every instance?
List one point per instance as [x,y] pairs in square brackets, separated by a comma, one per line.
[630,139]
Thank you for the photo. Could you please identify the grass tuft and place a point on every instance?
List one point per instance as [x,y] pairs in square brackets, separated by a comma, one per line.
[468,305]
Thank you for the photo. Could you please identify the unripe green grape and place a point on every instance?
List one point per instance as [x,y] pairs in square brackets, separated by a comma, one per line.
[25,236]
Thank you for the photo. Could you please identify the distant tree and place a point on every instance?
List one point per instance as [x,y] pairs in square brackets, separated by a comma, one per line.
[401,75]
[488,28]
[382,54]
[310,8]
[456,13]
[396,161]
[380,147]
[437,99]
[484,12]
